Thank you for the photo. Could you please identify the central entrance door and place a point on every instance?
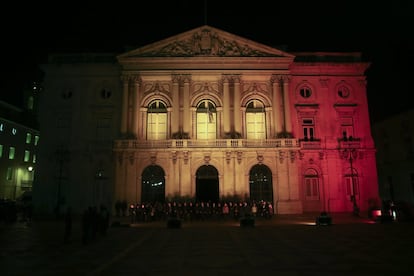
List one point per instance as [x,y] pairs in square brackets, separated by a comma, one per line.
[261,187]
[207,184]
[153,184]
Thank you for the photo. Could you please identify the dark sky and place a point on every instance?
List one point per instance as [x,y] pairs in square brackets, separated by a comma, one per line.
[381,31]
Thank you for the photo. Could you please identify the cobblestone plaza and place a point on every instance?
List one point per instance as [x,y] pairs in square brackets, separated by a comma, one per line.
[283,245]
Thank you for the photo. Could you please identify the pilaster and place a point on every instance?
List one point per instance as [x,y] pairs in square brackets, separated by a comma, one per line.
[286,103]
[226,105]
[125,95]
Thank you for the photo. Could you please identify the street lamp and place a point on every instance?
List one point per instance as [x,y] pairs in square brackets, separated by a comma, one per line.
[98,190]
[351,155]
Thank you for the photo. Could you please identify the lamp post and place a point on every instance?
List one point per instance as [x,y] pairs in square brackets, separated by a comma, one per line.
[98,189]
[351,155]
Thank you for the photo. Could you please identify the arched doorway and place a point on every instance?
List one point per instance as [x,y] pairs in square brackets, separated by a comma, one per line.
[207,184]
[153,184]
[260,181]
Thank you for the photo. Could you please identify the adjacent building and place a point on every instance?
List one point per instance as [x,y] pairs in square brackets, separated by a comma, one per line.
[395,158]
[207,115]
[19,142]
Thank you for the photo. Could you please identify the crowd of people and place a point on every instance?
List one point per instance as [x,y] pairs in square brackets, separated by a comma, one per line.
[94,221]
[199,210]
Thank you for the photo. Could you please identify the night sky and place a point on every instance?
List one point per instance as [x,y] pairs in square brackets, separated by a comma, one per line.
[381,31]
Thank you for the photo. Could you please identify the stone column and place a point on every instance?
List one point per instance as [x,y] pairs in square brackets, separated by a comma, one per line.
[186,106]
[243,120]
[236,105]
[219,111]
[124,116]
[193,132]
[277,116]
[226,105]
[268,115]
[169,122]
[135,107]
[286,103]
[175,113]
[143,128]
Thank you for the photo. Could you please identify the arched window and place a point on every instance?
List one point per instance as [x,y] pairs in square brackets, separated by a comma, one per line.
[343,92]
[255,120]
[206,120]
[311,185]
[260,181]
[305,92]
[153,184]
[157,121]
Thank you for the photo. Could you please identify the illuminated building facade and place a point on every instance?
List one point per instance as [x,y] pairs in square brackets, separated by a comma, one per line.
[19,142]
[207,115]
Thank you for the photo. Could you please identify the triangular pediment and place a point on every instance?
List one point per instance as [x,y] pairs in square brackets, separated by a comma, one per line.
[205,41]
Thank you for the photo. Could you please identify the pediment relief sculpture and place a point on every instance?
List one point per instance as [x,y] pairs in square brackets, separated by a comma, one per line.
[206,41]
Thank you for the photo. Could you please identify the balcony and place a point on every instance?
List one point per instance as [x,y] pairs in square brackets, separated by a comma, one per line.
[355,144]
[310,144]
[217,143]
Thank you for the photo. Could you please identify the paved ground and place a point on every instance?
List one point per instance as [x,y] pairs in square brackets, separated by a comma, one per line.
[284,245]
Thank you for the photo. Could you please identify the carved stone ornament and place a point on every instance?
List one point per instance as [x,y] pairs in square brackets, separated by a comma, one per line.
[207,159]
[153,158]
[228,157]
[281,156]
[206,42]
[239,156]
[321,155]
[260,158]
[292,155]
[156,87]
[174,156]
[185,156]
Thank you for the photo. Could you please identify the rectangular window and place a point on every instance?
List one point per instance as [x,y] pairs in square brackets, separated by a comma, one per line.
[157,126]
[347,128]
[1,151]
[206,126]
[255,125]
[34,158]
[312,188]
[9,175]
[26,156]
[11,152]
[36,141]
[28,138]
[308,129]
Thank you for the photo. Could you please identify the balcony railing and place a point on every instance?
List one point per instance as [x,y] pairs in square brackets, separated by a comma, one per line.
[311,144]
[350,144]
[218,143]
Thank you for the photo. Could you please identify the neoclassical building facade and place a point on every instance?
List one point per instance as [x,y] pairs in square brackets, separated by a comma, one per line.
[207,115]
